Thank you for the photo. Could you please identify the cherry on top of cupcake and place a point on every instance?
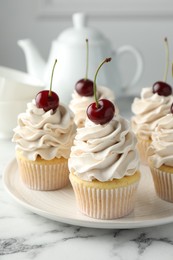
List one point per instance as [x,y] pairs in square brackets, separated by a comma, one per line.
[101,111]
[47,99]
[161,87]
[84,87]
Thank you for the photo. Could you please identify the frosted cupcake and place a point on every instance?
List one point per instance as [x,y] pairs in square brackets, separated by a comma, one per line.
[161,157]
[154,103]
[104,164]
[43,138]
[148,109]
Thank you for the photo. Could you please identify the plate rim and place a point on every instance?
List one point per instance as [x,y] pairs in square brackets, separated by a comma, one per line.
[89,223]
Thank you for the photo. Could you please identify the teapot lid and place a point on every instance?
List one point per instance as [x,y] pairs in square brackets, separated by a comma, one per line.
[80,31]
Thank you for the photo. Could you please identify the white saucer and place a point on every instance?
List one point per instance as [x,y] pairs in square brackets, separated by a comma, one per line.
[61,205]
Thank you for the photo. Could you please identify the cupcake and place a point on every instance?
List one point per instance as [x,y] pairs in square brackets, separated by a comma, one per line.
[43,141]
[103,163]
[160,157]
[79,103]
[148,109]
[103,168]
[43,137]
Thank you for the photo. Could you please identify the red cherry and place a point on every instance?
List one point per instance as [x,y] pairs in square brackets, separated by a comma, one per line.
[102,113]
[84,87]
[46,100]
[162,88]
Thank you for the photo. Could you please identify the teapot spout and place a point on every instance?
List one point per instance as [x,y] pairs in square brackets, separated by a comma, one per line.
[34,62]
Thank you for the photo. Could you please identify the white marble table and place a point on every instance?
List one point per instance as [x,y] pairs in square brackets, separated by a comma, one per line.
[25,235]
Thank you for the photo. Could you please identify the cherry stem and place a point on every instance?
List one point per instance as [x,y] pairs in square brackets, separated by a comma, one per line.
[95,87]
[87,55]
[167,60]
[50,90]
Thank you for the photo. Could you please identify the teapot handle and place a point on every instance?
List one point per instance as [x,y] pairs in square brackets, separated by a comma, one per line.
[139,63]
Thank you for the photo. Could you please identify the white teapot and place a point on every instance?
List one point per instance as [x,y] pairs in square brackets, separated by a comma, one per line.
[70,51]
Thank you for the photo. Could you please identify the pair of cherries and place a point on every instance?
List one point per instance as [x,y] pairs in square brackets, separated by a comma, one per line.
[101,111]
[47,99]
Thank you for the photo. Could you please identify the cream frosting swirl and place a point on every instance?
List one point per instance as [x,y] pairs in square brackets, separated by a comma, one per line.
[104,152]
[79,104]
[148,110]
[160,151]
[47,134]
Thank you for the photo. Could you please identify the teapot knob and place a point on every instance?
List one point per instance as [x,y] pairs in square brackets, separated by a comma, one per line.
[79,20]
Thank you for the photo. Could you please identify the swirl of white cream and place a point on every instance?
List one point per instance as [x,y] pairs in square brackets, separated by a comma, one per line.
[148,110]
[104,152]
[160,151]
[79,104]
[47,134]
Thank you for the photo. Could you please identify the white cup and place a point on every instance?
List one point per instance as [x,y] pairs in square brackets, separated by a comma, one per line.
[9,111]
[17,85]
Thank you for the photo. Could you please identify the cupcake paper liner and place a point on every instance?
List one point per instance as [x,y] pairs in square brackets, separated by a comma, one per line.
[48,176]
[163,182]
[142,146]
[104,203]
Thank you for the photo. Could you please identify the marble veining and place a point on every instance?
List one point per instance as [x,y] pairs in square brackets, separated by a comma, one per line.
[143,242]
[25,235]
[15,245]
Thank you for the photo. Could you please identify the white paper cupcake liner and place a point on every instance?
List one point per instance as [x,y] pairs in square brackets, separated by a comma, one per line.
[44,176]
[105,203]
[142,147]
[163,182]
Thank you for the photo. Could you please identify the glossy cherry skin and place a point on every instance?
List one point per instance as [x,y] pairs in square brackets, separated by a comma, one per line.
[46,101]
[84,87]
[101,114]
[162,88]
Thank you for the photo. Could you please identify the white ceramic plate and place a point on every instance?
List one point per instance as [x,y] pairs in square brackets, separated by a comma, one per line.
[61,206]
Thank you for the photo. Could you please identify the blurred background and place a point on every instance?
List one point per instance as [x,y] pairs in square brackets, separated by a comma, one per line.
[141,23]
